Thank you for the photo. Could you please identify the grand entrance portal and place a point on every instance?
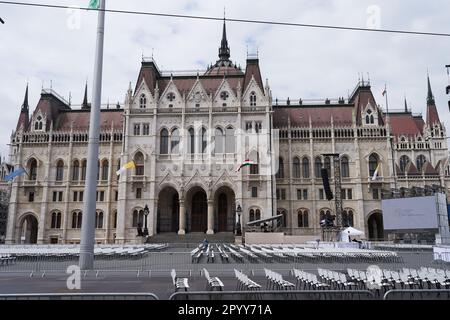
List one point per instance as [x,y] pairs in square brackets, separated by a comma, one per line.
[29,230]
[168,211]
[224,204]
[197,218]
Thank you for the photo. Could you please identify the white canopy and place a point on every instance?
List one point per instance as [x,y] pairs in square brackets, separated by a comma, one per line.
[352,232]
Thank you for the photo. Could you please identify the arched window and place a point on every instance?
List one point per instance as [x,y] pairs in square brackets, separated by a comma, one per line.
[254,168]
[252,99]
[327,165]
[421,160]
[204,141]
[347,218]
[305,167]
[138,218]
[219,141]
[230,140]
[280,173]
[303,218]
[191,141]
[252,215]
[143,102]
[175,141]
[345,170]
[369,117]
[33,169]
[139,163]
[373,163]
[164,143]
[77,218]
[296,168]
[258,214]
[99,220]
[38,124]
[83,170]
[318,167]
[115,220]
[56,220]
[404,160]
[76,170]
[324,214]
[105,170]
[98,170]
[60,170]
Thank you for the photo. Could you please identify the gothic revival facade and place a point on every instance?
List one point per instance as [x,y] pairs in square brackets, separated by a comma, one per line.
[189,134]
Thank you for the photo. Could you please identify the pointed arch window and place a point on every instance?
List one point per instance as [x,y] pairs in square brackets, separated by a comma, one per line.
[280,173]
[76,170]
[348,218]
[318,167]
[305,167]
[191,144]
[421,160]
[204,140]
[303,218]
[60,170]
[230,140]
[404,161]
[373,163]
[99,220]
[345,170]
[105,170]
[77,218]
[138,218]
[83,170]
[296,168]
[143,101]
[33,169]
[253,99]
[164,142]
[175,141]
[369,117]
[38,125]
[219,141]
[56,220]
[139,163]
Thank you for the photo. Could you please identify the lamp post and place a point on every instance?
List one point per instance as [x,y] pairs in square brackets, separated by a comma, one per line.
[146,212]
[238,223]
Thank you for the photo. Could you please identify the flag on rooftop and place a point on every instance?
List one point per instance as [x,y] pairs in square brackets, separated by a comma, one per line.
[126,166]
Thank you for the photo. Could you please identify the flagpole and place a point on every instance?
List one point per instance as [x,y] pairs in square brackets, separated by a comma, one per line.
[86,261]
[390,138]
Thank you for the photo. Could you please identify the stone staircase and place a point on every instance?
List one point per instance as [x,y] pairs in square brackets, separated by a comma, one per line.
[195,237]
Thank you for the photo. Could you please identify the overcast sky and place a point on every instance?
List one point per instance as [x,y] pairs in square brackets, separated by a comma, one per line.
[42,45]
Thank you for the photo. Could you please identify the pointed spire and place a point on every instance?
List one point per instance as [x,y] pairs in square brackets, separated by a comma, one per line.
[224,50]
[85,104]
[430,97]
[406,106]
[25,106]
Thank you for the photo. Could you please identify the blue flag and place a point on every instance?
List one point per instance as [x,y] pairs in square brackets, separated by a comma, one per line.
[16,173]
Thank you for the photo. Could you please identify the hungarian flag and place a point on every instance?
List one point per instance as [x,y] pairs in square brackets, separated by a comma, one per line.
[245,164]
[126,166]
[94,4]
[375,174]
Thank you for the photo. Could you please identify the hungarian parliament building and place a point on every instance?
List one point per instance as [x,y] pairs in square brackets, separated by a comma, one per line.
[212,149]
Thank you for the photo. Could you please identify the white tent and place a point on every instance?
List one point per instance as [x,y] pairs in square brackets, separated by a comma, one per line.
[352,232]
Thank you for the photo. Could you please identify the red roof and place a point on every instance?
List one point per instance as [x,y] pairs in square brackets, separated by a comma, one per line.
[405,124]
[81,118]
[432,115]
[320,116]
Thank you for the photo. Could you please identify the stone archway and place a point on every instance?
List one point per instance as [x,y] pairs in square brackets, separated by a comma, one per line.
[197,206]
[168,214]
[375,226]
[224,204]
[28,230]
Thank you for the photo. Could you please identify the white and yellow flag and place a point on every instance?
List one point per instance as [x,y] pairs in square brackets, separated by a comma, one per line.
[375,174]
[126,166]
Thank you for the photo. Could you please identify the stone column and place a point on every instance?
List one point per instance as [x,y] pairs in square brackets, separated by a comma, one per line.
[210,217]
[182,230]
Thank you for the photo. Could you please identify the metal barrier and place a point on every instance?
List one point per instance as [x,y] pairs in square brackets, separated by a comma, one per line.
[80,296]
[275,295]
[425,294]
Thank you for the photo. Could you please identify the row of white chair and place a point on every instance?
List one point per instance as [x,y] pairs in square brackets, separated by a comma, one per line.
[309,281]
[244,282]
[276,281]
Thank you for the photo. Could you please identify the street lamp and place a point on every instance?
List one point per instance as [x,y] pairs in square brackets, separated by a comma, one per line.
[146,212]
[238,223]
